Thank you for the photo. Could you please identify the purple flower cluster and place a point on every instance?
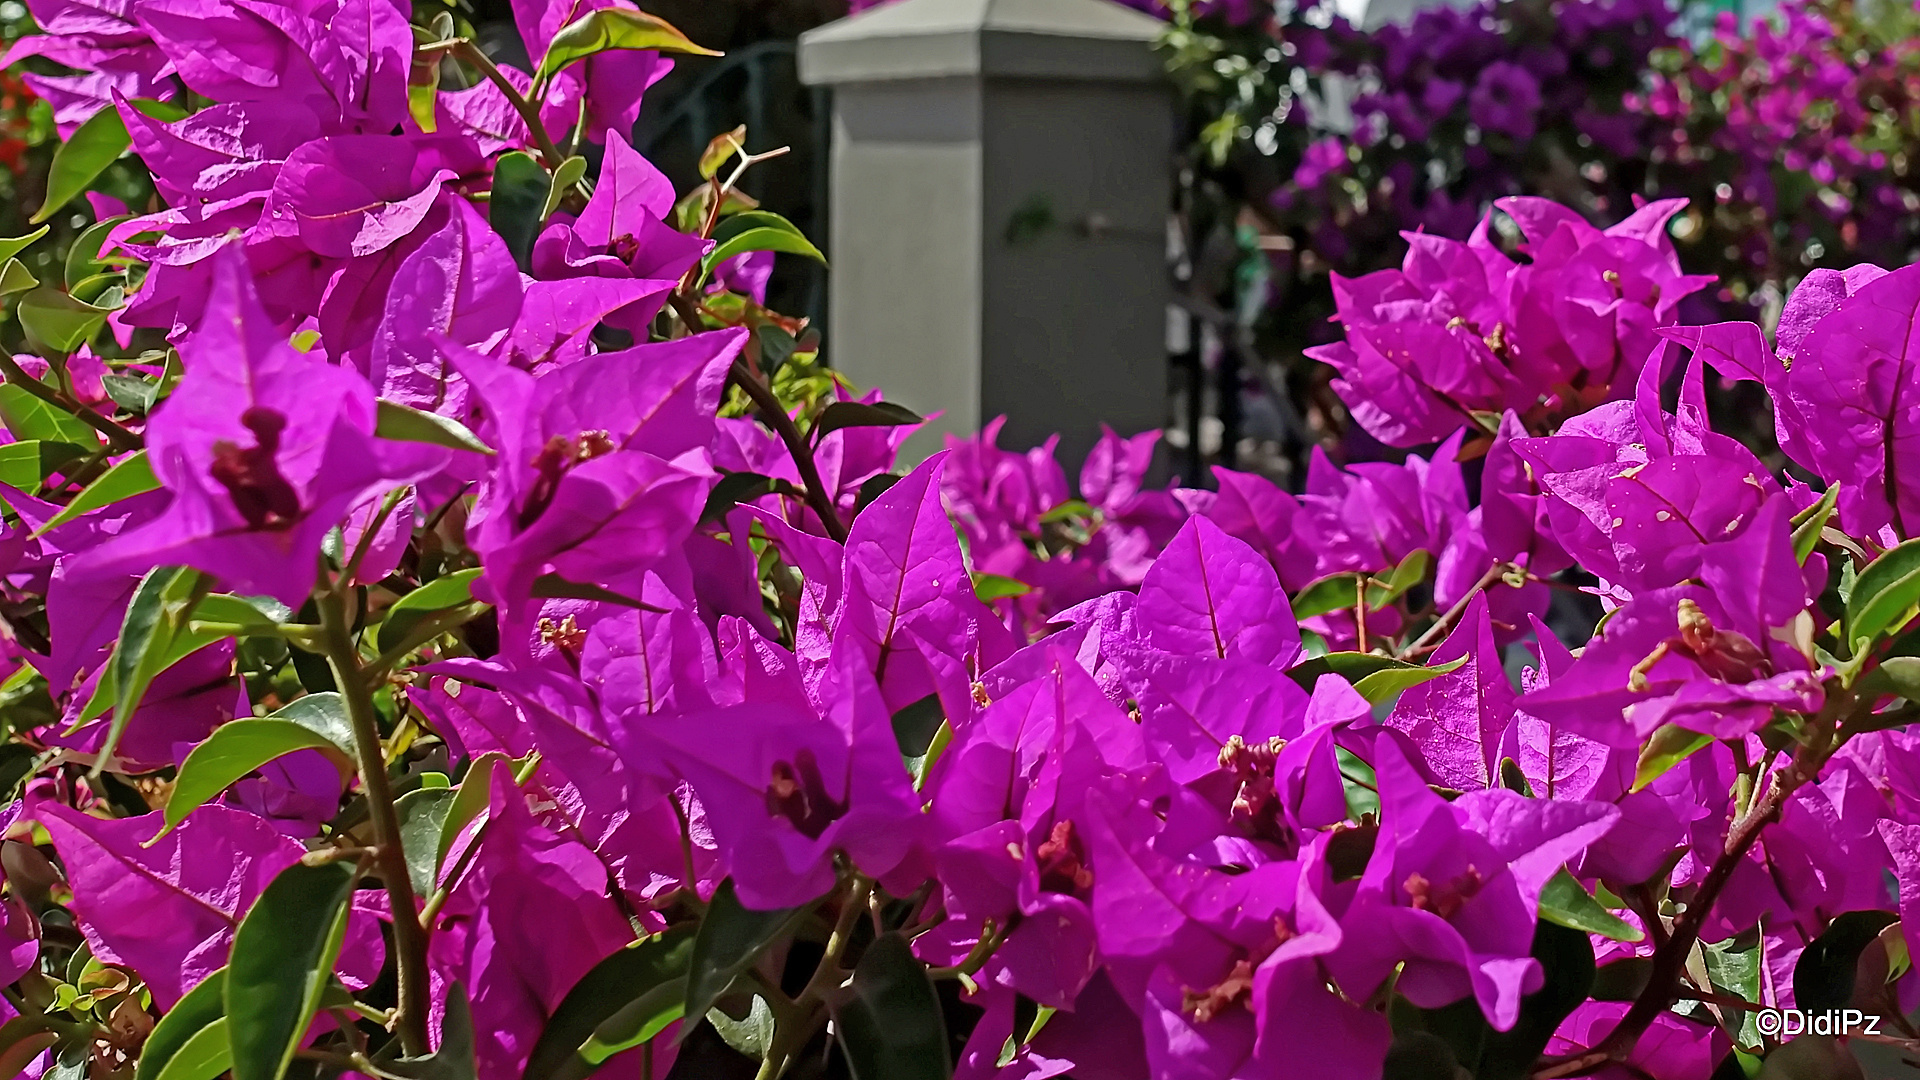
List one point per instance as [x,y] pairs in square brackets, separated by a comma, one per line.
[448,639]
[1804,117]
[1468,90]
[1462,333]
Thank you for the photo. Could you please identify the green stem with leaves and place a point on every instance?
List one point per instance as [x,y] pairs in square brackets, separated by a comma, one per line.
[1670,957]
[798,1019]
[468,51]
[409,938]
[122,440]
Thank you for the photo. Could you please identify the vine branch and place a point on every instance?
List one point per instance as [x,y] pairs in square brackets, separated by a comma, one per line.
[122,440]
[409,939]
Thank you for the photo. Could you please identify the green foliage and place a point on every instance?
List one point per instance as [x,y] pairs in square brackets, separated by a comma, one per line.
[891,1027]
[624,1001]
[283,957]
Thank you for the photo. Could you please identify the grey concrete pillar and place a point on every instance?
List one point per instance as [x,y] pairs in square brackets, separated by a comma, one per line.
[1000,191]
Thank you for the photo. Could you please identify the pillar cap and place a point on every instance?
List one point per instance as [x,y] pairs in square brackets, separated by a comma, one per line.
[1090,40]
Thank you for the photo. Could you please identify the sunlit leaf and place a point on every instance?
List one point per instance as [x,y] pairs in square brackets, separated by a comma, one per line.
[283,957]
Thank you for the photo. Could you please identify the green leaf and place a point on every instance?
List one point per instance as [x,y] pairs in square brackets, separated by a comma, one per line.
[57,320]
[27,417]
[1411,571]
[1622,980]
[1454,1034]
[555,587]
[1513,779]
[1420,1055]
[620,1003]
[20,464]
[991,587]
[1351,666]
[872,488]
[1896,675]
[25,464]
[721,150]
[22,1039]
[1667,747]
[83,258]
[1383,684]
[1823,977]
[1733,967]
[283,957]
[1331,593]
[231,752]
[1567,902]
[776,348]
[751,1034]
[202,1005]
[324,714]
[16,278]
[129,476]
[613,28]
[761,239]
[131,392]
[1808,523]
[260,615]
[103,292]
[846,414]
[95,145]
[1072,508]
[942,738]
[446,591]
[455,1058]
[520,188]
[890,1027]
[150,642]
[206,1054]
[423,816]
[915,727]
[729,940]
[423,95]
[753,219]
[564,177]
[732,490]
[80,160]
[14,245]
[470,800]
[1885,594]
[402,424]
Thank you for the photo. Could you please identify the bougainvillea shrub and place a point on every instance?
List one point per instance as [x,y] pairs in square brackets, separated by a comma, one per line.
[456,630]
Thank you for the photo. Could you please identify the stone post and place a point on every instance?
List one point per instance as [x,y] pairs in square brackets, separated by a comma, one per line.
[998,217]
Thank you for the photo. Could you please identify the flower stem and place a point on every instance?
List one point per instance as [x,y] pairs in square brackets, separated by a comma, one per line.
[776,417]
[1670,958]
[122,440]
[468,51]
[1441,625]
[409,940]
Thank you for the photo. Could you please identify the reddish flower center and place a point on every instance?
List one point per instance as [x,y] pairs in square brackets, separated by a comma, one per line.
[798,793]
[1727,655]
[1237,988]
[564,635]
[252,477]
[1443,898]
[561,454]
[1063,861]
[1256,806]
